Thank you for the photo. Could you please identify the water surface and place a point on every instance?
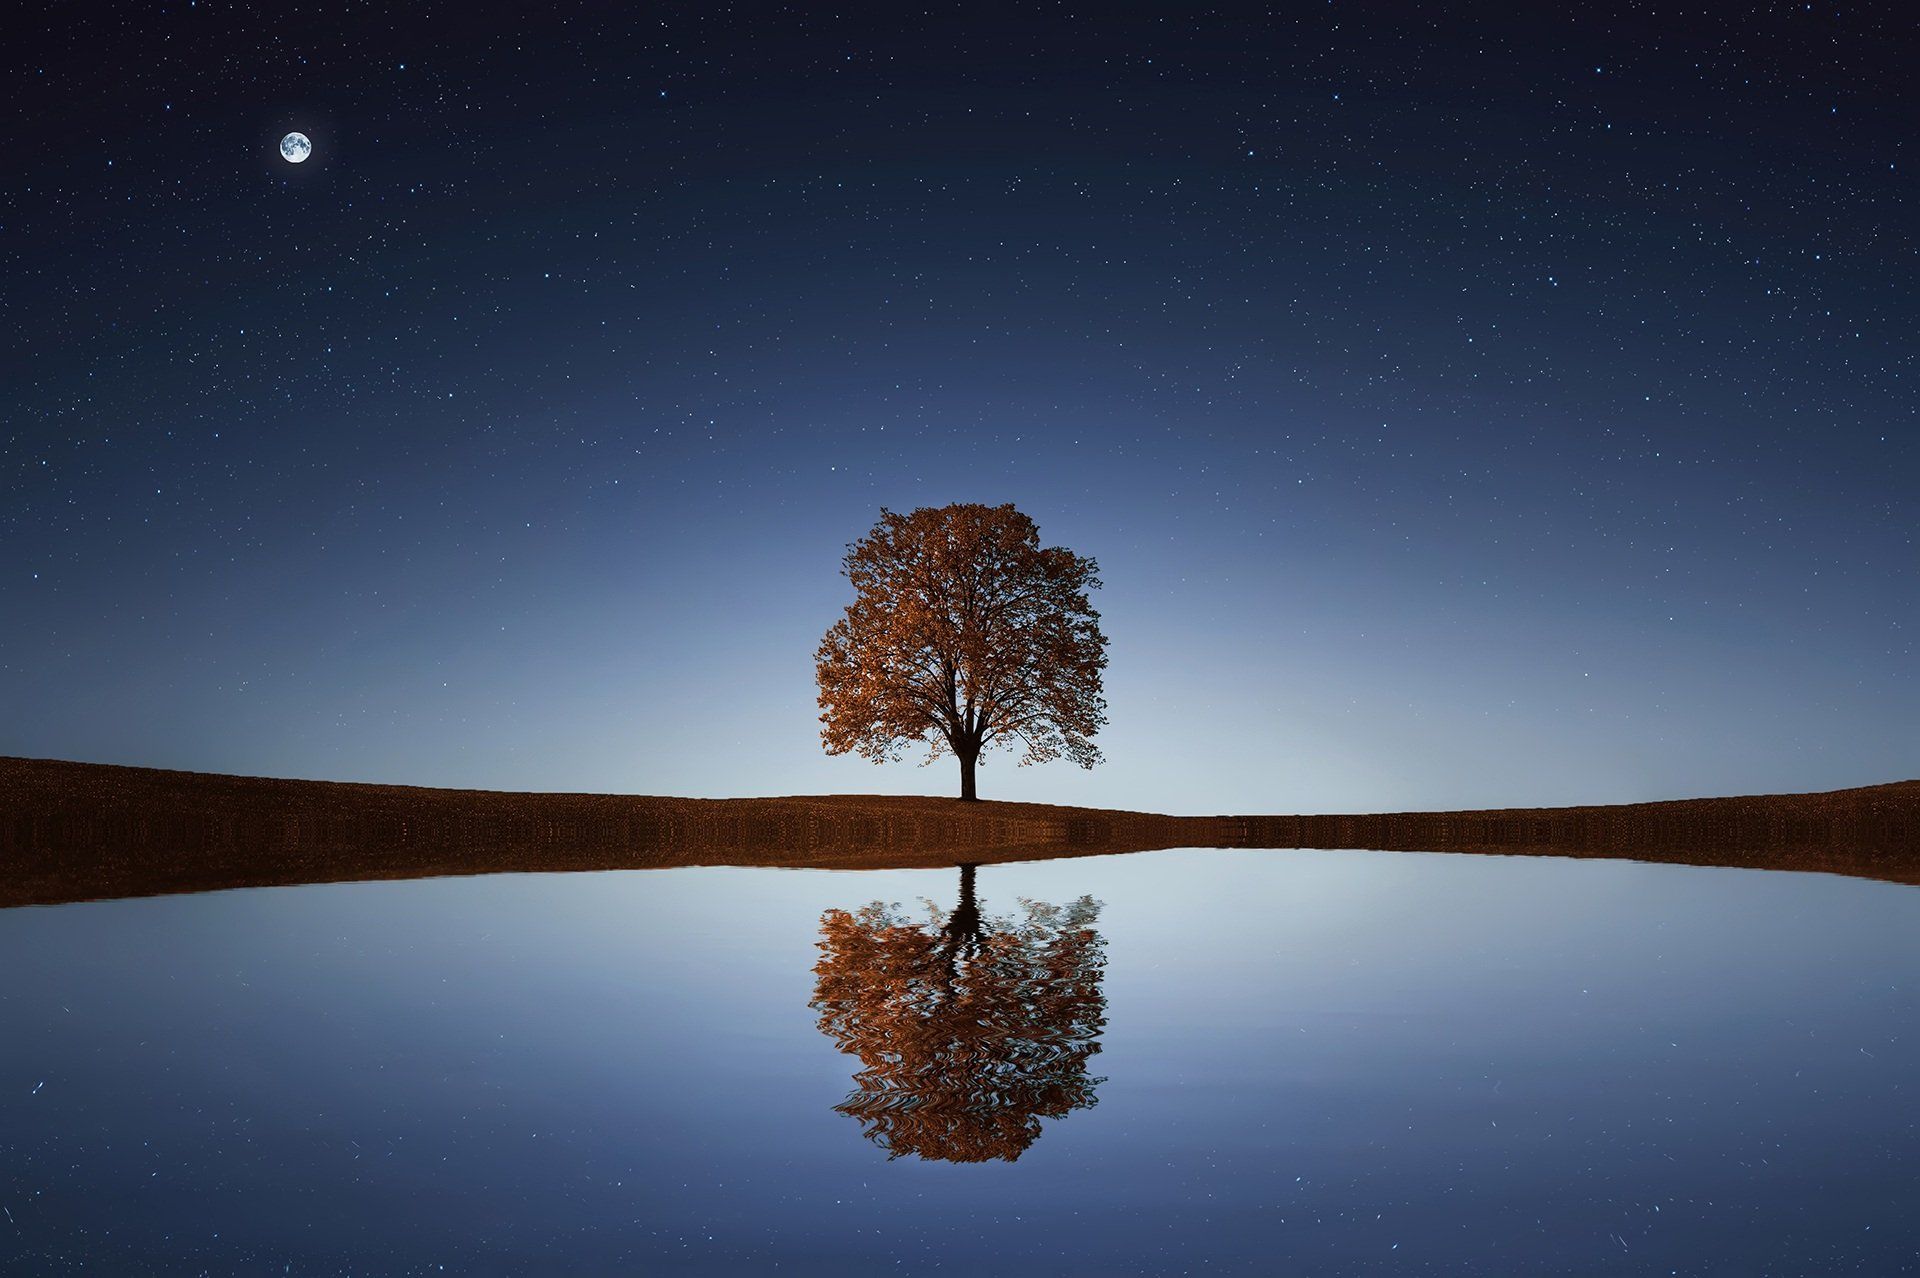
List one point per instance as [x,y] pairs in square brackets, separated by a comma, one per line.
[1204,1061]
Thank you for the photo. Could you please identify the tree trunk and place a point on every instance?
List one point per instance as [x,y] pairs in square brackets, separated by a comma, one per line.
[967,759]
[964,923]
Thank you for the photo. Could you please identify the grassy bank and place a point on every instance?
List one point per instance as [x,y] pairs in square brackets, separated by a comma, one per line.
[76,831]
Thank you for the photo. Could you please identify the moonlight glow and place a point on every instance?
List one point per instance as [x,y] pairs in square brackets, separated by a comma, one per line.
[294,148]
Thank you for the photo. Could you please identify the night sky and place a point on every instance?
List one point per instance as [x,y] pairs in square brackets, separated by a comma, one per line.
[1464,410]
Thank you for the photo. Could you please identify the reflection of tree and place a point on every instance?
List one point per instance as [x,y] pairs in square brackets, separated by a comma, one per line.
[969,1029]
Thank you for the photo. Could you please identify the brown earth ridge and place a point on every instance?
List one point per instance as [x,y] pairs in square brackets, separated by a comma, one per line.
[80,831]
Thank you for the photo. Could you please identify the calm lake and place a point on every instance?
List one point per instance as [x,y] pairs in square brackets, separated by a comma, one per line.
[1261,1062]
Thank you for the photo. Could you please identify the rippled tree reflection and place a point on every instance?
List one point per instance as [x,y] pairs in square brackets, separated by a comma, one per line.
[969,1029]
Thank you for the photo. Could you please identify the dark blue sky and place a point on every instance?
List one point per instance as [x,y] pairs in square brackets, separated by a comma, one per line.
[1463,410]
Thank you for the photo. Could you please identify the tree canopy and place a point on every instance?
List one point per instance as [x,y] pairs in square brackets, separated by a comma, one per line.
[965,634]
[969,1030]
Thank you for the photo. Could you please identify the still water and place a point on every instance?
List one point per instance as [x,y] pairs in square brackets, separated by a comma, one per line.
[1192,1061]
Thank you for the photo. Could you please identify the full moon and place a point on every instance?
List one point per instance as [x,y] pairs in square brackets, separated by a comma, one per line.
[294,148]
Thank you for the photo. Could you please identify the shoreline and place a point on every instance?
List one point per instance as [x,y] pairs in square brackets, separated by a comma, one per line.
[80,831]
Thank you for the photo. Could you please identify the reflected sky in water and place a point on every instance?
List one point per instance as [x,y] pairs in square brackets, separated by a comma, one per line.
[1320,1062]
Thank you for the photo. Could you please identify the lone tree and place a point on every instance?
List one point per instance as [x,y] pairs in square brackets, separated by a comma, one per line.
[964,633]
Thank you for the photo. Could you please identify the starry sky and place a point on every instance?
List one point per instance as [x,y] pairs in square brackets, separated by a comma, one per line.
[1464,409]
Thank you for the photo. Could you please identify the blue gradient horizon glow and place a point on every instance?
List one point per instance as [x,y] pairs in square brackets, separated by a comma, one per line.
[1268,654]
[1276,646]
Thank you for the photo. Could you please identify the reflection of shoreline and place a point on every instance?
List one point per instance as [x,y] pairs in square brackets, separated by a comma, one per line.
[71,831]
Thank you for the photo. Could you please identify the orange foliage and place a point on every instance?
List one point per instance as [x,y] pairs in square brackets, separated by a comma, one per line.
[964,634]
[967,1035]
